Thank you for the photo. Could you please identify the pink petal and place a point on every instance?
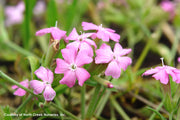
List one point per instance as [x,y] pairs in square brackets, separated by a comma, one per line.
[89,26]
[90,42]
[69,78]
[20,92]
[178,59]
[44,74]
[75,45]
[14,87]
[86,47]
[20,6]
[104,54]
[114,36]
[62,66]
[57,34]
[84,36]
[24,83]
[178,78]
[151,71]
[43,31]
[83,58]
[113,70]
[109,30]
[123,62]
[49,93]
[73,35]
[82,75]
[118,50]
[103,35]
[162,76]
[69,54]
[38,86]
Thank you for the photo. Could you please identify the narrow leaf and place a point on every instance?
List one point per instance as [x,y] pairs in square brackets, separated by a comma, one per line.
[162,118]
[34,64]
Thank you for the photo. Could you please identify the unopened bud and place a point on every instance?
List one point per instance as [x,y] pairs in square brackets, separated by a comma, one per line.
[110,85]
[41,105]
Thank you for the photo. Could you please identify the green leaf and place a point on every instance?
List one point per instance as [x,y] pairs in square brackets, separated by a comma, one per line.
[34,64]
[7,113]
[52,15]
[162,118]
[29,4]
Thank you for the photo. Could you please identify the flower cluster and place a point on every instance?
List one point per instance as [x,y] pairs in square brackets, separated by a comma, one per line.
[80,50]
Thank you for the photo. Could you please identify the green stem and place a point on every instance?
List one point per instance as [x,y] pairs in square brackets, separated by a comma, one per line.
[158,108]
[103,103]
[83,101]
[64,111]
[23,104]
[143,55]
[58,104]
[119,109]
[104,82]
[19,49]
[9,79]
[93,102]
[49,55]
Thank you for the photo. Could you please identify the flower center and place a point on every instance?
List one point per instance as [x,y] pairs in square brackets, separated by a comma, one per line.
[73,67]
[47,83]
[114,57]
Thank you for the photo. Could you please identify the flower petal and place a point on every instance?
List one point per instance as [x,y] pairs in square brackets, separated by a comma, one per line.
[57,34]
[38,86]
[83,58]
[86,47]
[151,71]
[62,66]
[118,50]
[103,35]
[69,78]
[104,54]
[89,26]
[69,54]
[49,93]
[90,42]
[82,75]
[20,92]
[162,76]
[44,74]
[73,35]
[43,31]
[113,70]
[123,62]
[114,36]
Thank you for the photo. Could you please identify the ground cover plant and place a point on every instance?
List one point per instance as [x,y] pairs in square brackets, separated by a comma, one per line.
[89,60]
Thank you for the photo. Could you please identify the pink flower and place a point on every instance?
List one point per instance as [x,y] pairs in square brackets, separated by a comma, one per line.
[115,59]
[169,7]
[14,14]
[81,42]
[20,91]
[39,8]
[45,85]
[178,59]
[71,66]
[102,33]
[56,33]
[162,73]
